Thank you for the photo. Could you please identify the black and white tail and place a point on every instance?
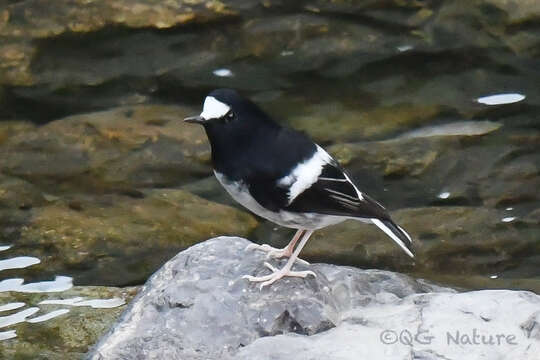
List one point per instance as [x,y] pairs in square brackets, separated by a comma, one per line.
[397,234]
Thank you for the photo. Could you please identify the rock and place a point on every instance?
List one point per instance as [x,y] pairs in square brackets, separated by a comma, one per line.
[303,42]
[120,239]
[514,180]
[58,325]
[400,172]
[16,58]
[36,19]
[16,193]
[335,123]
[493,21]
[518,11]
[452,169]
[9,129]
[198,307]
[426,326]
[80,57]
[122,148]
[85,17]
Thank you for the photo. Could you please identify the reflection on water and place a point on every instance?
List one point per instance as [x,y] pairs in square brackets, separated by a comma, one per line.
[18,262]
[11,306]
[6,335]
[458,128]
[17,317]
[223,73]
[59,284]
[48,316]
[79,301]
[500,99]
[444,195]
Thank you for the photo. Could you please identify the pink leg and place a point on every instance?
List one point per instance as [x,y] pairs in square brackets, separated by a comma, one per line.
[286,270]
[279,253]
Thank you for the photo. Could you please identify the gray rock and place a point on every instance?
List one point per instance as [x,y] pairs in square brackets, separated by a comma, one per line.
[198,307]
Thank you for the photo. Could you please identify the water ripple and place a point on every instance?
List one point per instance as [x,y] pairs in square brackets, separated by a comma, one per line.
[94,303]
[500,99]
[60,283]
[5,335]
[48,316]
[17,317]
[11,306]
[18,262]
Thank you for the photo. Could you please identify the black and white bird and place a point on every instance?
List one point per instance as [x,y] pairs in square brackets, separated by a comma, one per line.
[283,176]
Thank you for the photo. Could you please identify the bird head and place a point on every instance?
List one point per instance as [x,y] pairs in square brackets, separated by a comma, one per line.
[228,117]
[227,107]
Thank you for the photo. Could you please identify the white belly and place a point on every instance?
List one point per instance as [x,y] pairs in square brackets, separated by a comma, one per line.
[307,221]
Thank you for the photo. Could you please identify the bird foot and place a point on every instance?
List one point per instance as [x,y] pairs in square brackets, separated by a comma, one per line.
[276,275]
[275,253]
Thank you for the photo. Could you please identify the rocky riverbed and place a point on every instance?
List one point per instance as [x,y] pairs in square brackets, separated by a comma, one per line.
[432,106]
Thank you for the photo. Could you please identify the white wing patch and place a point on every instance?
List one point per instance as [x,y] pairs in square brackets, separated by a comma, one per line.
[214,109]
[305,174]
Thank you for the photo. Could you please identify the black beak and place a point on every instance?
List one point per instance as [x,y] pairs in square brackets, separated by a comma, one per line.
[195,119]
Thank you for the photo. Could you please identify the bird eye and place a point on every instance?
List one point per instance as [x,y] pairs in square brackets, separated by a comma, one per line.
[229,116]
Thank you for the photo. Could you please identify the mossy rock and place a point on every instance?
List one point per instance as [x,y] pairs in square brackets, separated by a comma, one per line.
[126,147]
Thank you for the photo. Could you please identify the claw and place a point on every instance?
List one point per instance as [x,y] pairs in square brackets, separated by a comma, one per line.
[268,265]
[276,275]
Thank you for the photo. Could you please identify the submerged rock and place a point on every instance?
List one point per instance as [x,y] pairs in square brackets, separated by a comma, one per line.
[9,129]
[335,123]
[198,307]
[21,22]
[121,148]
[79,56]
[16,193]
[120,239]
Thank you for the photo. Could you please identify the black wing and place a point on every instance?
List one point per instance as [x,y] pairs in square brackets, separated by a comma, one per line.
[334,194]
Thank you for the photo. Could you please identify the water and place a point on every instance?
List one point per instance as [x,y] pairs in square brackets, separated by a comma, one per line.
[27,312]
[433,108]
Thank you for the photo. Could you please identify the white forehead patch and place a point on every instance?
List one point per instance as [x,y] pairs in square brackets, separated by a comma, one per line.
[213,108]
